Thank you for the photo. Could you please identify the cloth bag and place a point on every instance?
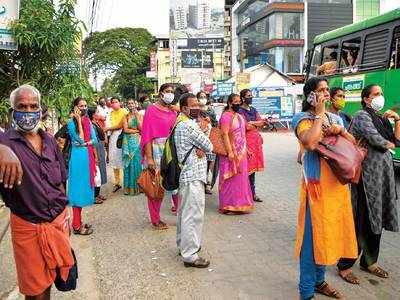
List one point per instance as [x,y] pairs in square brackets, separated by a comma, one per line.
[149,182]
[343,157]
[97,177]
[217,141]
[70,284]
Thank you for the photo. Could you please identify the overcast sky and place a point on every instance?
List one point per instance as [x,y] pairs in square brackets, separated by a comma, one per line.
[149,14]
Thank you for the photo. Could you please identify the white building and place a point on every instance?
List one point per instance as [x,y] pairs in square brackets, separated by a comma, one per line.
[180,17]
[200,15]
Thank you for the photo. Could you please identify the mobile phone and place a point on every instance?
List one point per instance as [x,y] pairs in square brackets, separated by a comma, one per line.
[312,98]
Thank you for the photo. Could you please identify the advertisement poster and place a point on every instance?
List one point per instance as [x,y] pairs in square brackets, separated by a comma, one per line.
[197,59]
[353,86]
[9,11]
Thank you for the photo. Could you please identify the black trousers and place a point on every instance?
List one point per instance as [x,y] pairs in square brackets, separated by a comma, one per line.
[252,179]
[96,191]
[368,242]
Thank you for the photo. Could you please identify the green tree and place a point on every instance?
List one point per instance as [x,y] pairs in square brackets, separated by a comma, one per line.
[48,54]
[125,53]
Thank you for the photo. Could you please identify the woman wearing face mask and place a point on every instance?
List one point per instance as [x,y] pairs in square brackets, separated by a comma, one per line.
[374,197]
[82,165]
[325,231]
[208,116]
[234,187]
[115,154]
[131,149]
[255,155]
[337,104]
[158,122]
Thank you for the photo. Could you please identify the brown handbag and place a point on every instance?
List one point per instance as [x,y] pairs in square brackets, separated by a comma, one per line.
[217,141]
[343,157]
[149,182]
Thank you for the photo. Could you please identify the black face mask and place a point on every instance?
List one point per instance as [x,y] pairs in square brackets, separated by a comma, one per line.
[194,113]
[248,100]
[83,112]
[235,107]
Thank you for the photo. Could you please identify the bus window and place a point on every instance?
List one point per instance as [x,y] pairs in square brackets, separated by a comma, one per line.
[350,55]
[375,54]
[395,49]
[329,60]
[316,60]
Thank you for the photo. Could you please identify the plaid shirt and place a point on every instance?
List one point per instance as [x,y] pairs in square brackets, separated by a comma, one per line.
[187,135]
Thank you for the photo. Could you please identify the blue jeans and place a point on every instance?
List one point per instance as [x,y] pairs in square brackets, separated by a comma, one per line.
[311,274]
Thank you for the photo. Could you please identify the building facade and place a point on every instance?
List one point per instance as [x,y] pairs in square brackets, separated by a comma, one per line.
[200,15]
[180,17]
[364,9]
[280,32]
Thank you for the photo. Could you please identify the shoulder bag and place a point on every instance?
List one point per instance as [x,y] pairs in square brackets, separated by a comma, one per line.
[343,157]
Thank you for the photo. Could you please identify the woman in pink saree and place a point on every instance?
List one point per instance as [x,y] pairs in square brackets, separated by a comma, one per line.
[235,194]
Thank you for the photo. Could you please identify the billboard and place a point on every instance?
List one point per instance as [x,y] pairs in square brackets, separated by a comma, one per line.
[197,59]
[9,11]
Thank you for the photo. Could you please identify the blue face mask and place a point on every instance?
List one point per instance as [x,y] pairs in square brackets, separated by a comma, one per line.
[27,121]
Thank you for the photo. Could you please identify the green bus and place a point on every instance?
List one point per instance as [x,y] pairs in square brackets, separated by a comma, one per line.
[359,54]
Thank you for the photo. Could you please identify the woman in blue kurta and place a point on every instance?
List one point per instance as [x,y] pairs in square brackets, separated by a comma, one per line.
[82,165]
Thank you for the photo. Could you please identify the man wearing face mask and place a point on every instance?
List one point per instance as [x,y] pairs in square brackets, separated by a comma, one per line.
[255,155]
[337,104]
[39,218]
[193,143]
[374,197]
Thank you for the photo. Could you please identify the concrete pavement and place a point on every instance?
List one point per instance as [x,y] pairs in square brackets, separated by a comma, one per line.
[251,255]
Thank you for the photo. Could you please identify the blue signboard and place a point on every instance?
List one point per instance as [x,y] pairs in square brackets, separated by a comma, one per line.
[273,104]
[224,88]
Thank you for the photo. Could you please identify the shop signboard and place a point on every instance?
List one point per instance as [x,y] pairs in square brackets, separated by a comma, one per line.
[224,88]
[242,81]
[272,103]
[9,12]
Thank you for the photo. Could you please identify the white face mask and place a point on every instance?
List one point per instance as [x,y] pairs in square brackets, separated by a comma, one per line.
[378,103]
[168,98]
[203,101]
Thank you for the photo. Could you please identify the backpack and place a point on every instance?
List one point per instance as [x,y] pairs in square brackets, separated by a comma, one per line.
[170,168]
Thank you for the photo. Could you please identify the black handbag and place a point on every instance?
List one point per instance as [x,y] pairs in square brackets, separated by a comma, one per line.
[119,140]
[70,284]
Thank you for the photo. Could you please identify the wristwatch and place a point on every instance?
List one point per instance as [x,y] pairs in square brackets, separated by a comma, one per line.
[317,117]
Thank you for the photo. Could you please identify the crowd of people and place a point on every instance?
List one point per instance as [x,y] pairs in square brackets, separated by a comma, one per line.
[41,175]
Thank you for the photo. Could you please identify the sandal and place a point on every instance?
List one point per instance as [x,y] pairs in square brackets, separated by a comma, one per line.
[88,225]
[208,190]
[160,226]
[377,271]
[102,197]
[83,230]
[257,199]
[198,263]
[349,277]
[98,200]
[325,289]
[116,188]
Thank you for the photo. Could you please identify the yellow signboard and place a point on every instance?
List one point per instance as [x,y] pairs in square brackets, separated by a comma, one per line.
[242,81]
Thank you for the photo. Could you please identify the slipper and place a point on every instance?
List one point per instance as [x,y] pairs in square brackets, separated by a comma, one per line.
[325,289]
[116,188]
[377,271]
[350,278]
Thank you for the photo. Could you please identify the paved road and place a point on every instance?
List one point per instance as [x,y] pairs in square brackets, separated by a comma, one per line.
[251,255]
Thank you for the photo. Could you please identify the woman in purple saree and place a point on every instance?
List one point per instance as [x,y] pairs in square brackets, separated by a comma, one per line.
[234,188]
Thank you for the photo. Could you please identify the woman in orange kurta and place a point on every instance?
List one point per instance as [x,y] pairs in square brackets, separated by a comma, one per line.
[326,229]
